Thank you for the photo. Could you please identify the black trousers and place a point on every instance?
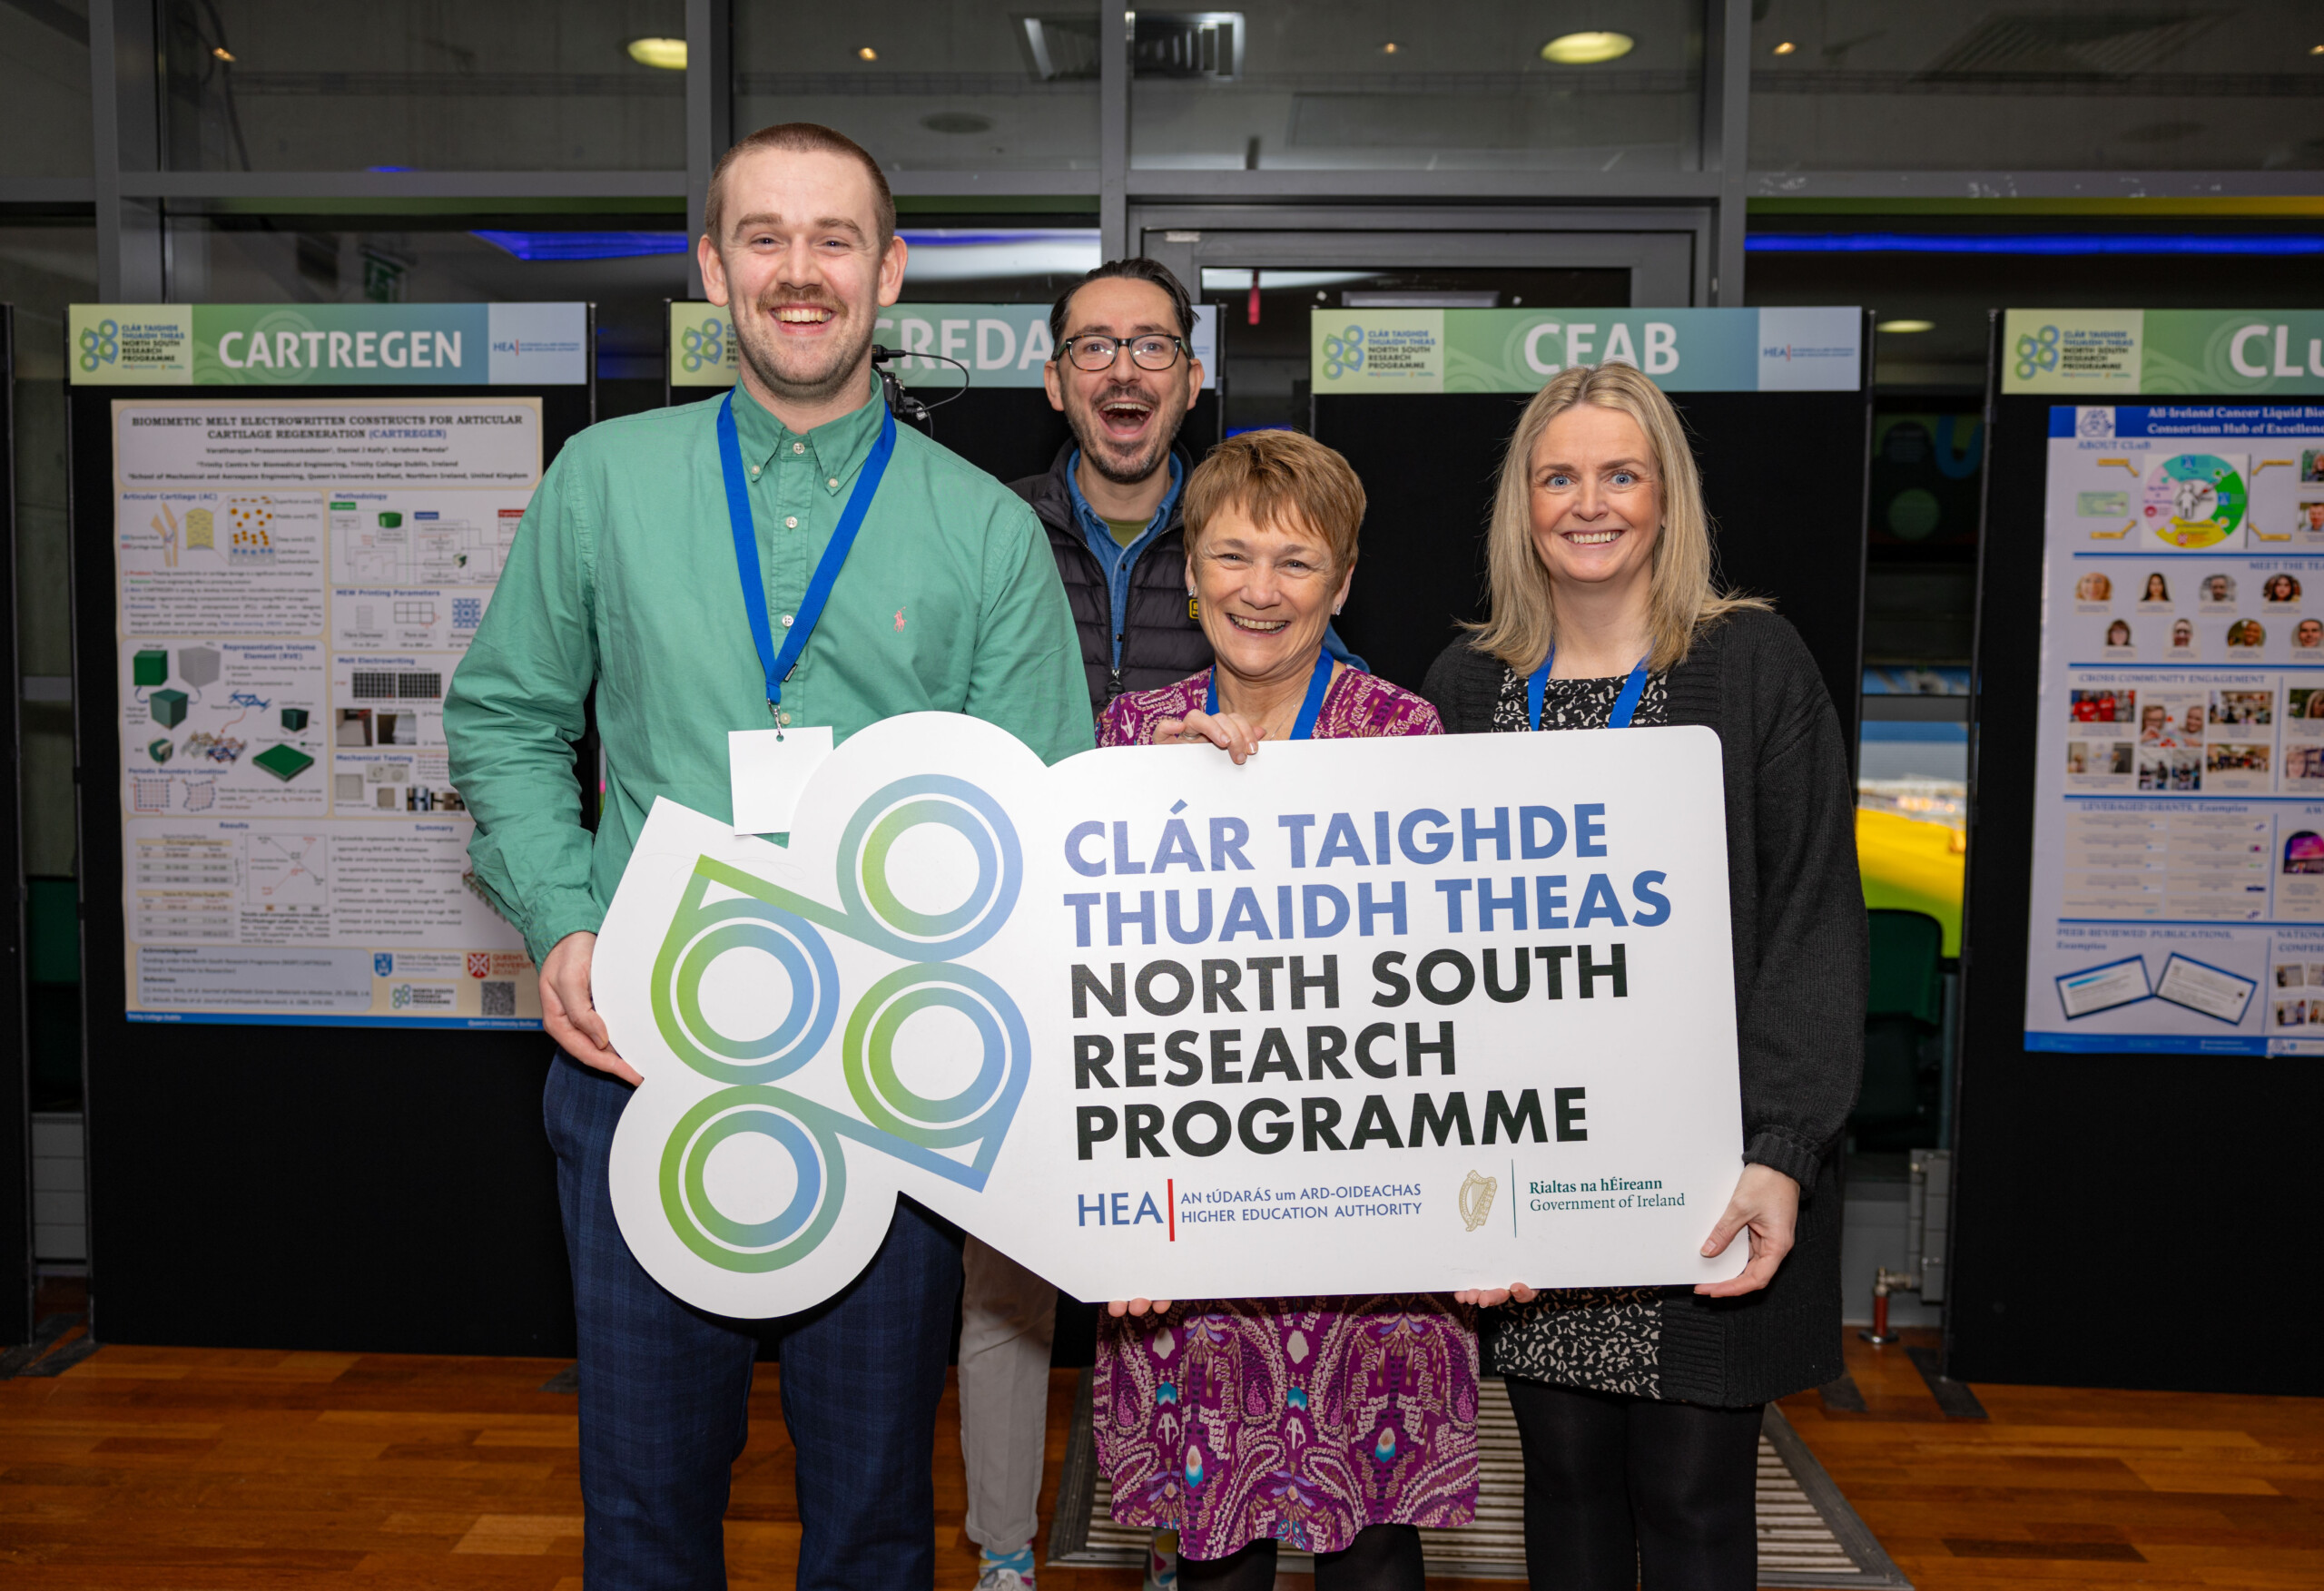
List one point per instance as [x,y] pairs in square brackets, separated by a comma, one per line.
[1624,1492]
[1382,1557]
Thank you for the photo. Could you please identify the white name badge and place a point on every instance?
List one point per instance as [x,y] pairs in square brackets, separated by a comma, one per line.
[769,767]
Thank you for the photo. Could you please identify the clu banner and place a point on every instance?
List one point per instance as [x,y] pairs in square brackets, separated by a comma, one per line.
[1386,1015]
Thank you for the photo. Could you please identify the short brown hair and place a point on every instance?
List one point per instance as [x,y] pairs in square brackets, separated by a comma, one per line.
[800,138]
[1280,478]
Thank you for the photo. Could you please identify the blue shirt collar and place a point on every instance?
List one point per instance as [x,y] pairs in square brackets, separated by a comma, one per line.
[1110,553]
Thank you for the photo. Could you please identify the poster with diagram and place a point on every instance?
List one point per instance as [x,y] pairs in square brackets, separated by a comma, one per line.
[296,579]
[2179,831]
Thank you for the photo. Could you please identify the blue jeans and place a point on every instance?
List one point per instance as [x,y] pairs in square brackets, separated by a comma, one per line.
[665,1392]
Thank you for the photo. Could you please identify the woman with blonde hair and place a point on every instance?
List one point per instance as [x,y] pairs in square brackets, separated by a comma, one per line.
[1639,1408]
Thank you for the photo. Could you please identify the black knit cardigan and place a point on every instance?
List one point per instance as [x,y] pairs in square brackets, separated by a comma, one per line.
[1801,967]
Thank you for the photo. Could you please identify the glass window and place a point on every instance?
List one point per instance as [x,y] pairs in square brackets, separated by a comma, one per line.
[1461,85]
[45,84]
[626,274]
[42,268]
[964,85]
[272,85]
[2077,84]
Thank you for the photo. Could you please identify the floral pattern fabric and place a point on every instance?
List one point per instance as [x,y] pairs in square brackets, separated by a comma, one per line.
[1355,705]
[1297,1420]
[1303,1420]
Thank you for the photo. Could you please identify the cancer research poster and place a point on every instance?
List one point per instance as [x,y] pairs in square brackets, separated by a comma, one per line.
[2179,829]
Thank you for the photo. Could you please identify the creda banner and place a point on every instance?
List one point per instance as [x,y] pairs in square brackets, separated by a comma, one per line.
[1363,1015]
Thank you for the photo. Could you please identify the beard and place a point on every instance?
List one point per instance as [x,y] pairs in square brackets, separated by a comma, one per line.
[804,373]
[1126,466]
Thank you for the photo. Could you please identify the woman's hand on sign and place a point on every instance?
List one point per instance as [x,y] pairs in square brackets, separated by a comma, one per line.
[1766,1205]
[1486,1297]
[570,1016]
[1231,732]
[1135,1307]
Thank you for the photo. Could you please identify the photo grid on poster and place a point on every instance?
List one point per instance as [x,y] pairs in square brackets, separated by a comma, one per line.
[2179,829]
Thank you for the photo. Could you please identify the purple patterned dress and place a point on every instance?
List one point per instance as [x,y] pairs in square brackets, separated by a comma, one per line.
[1300,1420]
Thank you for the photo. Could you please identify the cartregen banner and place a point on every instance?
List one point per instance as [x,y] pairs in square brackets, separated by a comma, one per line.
[327,345]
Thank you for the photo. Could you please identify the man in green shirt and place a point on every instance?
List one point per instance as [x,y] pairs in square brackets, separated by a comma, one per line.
[624,579]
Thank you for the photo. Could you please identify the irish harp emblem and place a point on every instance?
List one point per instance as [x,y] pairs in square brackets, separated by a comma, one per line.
[1476,1199]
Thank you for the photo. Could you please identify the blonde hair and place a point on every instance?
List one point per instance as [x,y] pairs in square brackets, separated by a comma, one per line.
[1683,600]
[1279,478]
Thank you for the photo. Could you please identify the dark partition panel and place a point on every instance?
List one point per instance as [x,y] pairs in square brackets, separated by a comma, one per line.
[362,1189]
[1784,472]
[2125,1220]
[15,1100]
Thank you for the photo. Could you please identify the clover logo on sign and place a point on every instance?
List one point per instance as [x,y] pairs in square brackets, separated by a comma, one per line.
[99,344]
[749,913]
[1343,354]
[2037,351]
[704,345]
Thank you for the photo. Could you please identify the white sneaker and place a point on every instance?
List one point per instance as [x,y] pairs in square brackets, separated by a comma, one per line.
[996,1578]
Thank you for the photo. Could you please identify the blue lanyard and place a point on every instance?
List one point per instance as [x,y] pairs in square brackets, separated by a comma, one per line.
[1625,705]
[1310,709]
[779,664]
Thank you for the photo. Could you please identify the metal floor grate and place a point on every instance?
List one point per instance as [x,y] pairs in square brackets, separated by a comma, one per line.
[1808,1536]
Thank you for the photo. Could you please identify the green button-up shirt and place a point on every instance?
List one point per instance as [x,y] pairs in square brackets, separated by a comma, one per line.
[623,577]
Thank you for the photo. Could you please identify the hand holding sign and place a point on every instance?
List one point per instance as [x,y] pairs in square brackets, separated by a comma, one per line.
[1148,1021]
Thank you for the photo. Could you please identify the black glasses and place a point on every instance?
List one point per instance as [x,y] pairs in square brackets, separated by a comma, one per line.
[1096,353]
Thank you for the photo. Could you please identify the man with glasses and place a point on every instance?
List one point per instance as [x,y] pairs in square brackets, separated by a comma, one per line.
[1123,375]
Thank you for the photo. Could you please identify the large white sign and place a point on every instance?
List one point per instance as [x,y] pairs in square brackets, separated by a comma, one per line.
[1360,1015]
[2178,824]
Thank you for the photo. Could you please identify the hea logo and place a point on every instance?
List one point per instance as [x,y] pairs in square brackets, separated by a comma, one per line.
[892,1117]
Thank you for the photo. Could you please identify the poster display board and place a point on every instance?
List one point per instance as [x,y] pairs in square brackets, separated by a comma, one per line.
[295,580]
[287,520]
[1137,1018]
[2179,820]
[2140,933]
[1777,404]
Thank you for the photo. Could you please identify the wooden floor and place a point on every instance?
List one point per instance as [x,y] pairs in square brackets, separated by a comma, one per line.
[150,1468]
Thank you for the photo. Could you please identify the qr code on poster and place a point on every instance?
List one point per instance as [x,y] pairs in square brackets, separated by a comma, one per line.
[499,998]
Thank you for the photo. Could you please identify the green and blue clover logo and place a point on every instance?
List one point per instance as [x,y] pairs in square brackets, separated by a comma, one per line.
[2037,351]
[703,345]
[1344,353]
[893,1119]
[99,344]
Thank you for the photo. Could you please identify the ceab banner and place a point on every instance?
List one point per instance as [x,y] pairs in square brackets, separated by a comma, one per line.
[329,345]
[1780,349]
[1158,1026]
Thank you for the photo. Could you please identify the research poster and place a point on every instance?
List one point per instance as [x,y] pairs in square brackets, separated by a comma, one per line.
[296,581]
[1359,1015]
[2179,835]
